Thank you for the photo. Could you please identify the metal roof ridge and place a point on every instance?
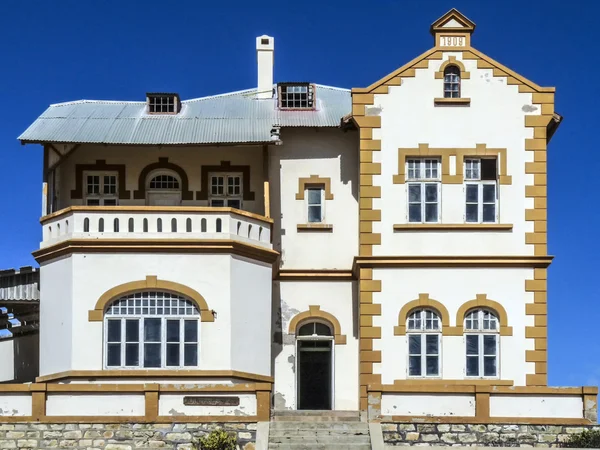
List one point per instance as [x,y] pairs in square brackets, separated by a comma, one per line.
[74,102]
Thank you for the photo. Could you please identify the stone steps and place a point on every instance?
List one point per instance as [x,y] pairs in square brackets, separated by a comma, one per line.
[318,430]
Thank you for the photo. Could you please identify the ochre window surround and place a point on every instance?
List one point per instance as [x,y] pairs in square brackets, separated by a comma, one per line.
[163,163]
[100,166]
[315,312]
[452,61]
[423,302]
[225,166]
[314,180]
[480,150]
[151,282]
[481,301]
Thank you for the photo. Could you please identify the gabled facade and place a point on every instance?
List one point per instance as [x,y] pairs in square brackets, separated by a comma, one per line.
[381,250]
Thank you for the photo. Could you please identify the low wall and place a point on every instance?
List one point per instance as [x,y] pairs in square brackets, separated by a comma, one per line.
[484,435]
[122,436]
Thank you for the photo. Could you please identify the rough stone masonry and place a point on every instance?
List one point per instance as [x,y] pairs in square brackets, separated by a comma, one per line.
[118,436]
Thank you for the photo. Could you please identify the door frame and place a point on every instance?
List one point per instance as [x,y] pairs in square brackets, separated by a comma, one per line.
[299,360]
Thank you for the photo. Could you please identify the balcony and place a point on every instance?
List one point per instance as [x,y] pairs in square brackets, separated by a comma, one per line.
[97,223]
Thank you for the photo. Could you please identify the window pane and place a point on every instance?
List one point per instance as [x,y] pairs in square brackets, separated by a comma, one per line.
[489,213]
[472,344]
[431,212]
[132,330]
[414,213]
[314,196]
[414,344]
[191,331]
[431,191]
[113,331]
[432,365]
[132,354]
[190,355]
[488,169]
[113,355]
[152,330]
[314,213]
[414,193]
[414,365]
[233,203]
[431,341]
[489,345]
[322,329]
[472,193]
[489,193]
[172,330]
[172,354]
[489,366]
[217,203]
[472,366]
[152,355]
[307,330]
[471,213]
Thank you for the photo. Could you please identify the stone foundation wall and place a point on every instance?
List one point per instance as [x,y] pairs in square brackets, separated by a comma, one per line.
[405,434]
[117,436]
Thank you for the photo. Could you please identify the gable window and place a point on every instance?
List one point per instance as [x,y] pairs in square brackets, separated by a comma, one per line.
[423,332]
[423,180]
[481,338]
[481,190]
[151,330]
[315,204]
[101,188]
[452,82]
[163,103]
[296,95]
[226,189]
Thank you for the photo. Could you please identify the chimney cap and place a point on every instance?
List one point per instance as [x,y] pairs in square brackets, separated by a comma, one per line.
[265,42]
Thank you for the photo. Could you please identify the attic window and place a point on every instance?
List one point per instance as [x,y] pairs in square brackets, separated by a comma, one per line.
[163,103]
[296,96]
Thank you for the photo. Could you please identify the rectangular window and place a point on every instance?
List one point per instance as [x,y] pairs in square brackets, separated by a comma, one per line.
[423,175]
[101,189]
[423,355]
[296,96]
[481,190]
[315,197]
[482,355]
[163,103]
[226,189]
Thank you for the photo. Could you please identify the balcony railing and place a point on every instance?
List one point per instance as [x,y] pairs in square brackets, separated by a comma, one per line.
[155,222]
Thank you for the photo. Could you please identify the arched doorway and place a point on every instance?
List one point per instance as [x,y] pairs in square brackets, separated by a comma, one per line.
[163,189]
[314,368]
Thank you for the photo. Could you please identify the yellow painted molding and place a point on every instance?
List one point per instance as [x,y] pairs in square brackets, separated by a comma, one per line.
[315,312]
[423,302]
[314,227]
[481,301]
[442,101]
[453,226]
[314,180]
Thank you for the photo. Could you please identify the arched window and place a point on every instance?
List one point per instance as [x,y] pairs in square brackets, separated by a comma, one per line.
[116,225]
[86,225]
[315,329]
[174,225]
[163,188]
[424,329]
[452,82]
[188,225]
[151,329]
[481,337]
[164,182]
[131,224]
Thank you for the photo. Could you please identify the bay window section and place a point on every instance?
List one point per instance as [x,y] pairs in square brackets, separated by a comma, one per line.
[423,180]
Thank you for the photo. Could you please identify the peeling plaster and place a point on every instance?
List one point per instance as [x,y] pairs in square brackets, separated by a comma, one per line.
[279,401]
[292,360]
[287,312]
[174,412]
[373,110]
[529,108]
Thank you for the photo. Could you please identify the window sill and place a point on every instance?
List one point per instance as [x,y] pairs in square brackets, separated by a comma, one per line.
[453,227]
[452,101]
[315,227]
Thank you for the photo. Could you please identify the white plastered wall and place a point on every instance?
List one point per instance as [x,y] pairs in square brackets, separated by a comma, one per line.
[536,406]
[336,298]
[495,118]
[329,154]
[7,356]
[71,290]
[453,287]
[95,405]
[428,405]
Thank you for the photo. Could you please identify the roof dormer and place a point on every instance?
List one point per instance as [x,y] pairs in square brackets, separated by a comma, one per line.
[163,103]
[452,30]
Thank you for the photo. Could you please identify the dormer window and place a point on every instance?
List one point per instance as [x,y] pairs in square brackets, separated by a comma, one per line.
[296,96]
[452,82]
[163,103]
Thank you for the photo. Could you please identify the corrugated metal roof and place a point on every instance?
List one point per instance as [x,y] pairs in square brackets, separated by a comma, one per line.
[237,117]
[20,284]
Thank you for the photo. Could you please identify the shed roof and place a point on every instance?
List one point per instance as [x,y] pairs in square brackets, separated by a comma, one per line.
[20,284]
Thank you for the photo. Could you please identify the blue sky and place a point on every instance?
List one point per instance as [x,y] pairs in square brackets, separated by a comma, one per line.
[54,51]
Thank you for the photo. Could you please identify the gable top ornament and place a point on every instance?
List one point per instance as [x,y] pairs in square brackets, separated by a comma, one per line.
[453,29]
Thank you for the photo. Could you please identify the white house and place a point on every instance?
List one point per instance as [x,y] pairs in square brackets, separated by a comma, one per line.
[381,249]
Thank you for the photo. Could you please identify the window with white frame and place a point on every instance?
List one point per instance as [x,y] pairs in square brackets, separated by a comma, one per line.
[151,329]
[423,331]
[482,342]
[423,180]
[481,190]
[226,189]
[315,201]
[101,188]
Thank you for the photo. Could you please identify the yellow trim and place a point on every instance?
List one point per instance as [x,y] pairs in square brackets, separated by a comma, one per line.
[453,227]
[315,312]
[462,101]
[315,275]
[314,227]
[482,301]
[151,282]
[452,61]
[422,302]
[314,180]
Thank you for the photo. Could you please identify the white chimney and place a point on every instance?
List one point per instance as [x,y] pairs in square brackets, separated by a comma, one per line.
[265,47]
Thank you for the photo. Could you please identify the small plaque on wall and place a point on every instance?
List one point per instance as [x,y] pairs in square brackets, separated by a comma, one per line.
[211,401]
